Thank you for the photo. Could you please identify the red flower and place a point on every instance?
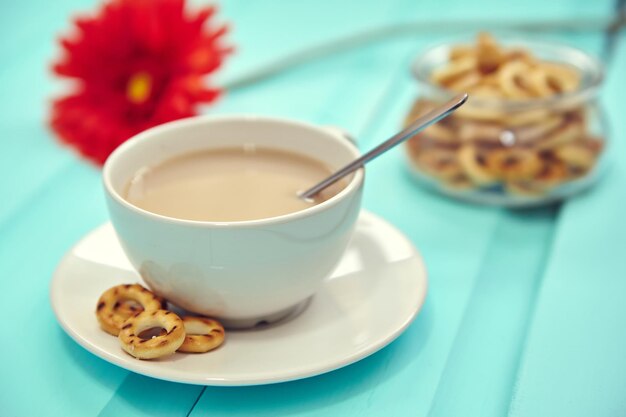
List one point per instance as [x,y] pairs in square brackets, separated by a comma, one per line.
[138,63]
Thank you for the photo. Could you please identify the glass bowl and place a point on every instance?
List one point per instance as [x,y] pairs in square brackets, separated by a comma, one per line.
[511,152]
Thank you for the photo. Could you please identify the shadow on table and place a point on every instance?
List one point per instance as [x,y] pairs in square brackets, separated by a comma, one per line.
[100,370]
[132,394]
[324,390]
[149,396]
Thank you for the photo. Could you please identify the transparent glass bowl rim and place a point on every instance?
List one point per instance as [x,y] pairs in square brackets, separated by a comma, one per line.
[590,68]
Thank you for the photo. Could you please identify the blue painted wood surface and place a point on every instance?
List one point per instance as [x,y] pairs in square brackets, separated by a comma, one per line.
[526,311]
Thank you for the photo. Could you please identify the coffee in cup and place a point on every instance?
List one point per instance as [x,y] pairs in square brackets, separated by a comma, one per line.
[229,184]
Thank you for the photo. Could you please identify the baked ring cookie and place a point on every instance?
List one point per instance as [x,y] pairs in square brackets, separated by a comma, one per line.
[127,309]
[538,83]
[113,310]
[488,53]
[418,109]
[439,163]
[485,91]
[465,81]
[534,132]
[520,54]
[513,80]
[561,78]
[157,346]
[439,134]
[475,131]
[459,183]
[461,51]
[474,164]
[525,117]
[567,132]
[513,164]
[552,174]
[523,188]
[470,111]
[202,335]
[576,156]
[447,74]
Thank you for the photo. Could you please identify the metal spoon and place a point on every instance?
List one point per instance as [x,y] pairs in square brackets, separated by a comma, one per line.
[418,125]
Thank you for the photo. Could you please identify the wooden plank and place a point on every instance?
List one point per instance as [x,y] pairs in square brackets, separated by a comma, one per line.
[139,395]
[574,362]
[44,371]
[484,359]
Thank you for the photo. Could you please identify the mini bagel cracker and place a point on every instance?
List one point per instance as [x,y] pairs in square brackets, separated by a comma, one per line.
[513,164]
[440,163]
[474,164]
[112,310]
[513,80]
[202,335]
[578,157]
[127,309]
[551,175]
[157,346]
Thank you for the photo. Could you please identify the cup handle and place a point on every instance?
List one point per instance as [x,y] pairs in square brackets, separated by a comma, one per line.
[341,132]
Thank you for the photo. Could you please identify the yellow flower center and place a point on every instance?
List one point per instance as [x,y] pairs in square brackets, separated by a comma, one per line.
[138,87]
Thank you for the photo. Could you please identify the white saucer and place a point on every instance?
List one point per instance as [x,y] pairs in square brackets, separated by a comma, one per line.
[371,298]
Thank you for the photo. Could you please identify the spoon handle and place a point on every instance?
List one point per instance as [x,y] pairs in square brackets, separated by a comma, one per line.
[418,125]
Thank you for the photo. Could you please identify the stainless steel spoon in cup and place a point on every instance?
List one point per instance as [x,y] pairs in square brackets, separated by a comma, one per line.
[416,126]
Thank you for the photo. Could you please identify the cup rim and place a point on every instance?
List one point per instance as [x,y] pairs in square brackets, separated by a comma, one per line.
[136,140]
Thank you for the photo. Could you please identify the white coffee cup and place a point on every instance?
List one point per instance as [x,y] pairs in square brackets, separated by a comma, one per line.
[241,272]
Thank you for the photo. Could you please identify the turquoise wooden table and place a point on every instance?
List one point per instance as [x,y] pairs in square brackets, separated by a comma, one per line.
[526,313]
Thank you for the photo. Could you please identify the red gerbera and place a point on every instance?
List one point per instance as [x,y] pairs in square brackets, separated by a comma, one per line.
[138,63]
